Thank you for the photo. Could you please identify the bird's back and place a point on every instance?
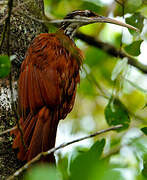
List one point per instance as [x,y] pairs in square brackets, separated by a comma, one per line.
[47,87]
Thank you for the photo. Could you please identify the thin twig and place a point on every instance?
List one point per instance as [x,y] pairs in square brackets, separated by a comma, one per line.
[56,21]
[38,157]
[8,130]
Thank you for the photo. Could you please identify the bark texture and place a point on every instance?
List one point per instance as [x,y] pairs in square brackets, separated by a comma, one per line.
[23,29]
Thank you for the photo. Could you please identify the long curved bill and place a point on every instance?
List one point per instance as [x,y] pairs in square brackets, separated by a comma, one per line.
[102,19]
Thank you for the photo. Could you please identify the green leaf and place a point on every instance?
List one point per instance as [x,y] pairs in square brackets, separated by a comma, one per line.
[118,40]
[42,173]
[111,174]
[143,10]
[97,149]
[93,6]
[134,48]
[132,5]
[120,66]
[4,66]
[135,20]
[90,166]
[144,171]
[144,130]
[139,146]
[116,113]
[63,166]
[83,164]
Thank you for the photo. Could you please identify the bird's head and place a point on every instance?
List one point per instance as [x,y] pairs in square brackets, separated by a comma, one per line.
[78,18]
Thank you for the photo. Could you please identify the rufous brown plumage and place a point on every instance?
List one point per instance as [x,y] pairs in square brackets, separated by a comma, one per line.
[48,82]
[47,88]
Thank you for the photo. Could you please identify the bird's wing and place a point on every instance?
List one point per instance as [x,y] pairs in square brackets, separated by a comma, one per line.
[49,73]
[39,78]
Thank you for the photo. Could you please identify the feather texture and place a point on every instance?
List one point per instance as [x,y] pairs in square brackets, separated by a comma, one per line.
[47,87]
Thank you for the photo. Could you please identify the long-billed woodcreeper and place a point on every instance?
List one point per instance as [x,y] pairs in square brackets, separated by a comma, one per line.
[48,82]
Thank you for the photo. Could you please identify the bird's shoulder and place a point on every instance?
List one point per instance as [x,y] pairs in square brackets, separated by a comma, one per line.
[47,48]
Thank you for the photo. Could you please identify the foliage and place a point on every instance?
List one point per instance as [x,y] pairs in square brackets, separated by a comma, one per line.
[110,93]
[87,161]
[135,20]
[4,66]
[144,130]
[134,48]
[116,113]
[42,172]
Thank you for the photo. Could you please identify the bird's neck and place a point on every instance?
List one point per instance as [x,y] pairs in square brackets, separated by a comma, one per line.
[70,46]
[70,29]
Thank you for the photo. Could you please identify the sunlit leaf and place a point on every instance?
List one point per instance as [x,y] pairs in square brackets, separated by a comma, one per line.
[97,149]
[145,106]
[133,48]
[4,66]
[47,4]
[120,66]
[116,113]
[118,40]
[42,173]
[118,11]
[132,5]
[97,8]
[144,171]
[89,166]
[134,100]
[112,174]
[144,130]
[143,10]
[135,20]
[140,145]
[63,166]
[82,165]
[96,2]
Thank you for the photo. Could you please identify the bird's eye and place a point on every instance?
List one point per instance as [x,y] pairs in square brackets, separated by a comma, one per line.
[87,12]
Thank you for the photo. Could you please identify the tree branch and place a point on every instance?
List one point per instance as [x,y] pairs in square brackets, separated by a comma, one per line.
[38,157]
[8,130]
[110,49]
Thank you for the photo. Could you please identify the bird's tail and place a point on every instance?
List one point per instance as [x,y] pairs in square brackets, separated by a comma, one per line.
[39,134]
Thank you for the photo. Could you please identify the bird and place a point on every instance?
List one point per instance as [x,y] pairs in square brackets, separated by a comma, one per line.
[47,84]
